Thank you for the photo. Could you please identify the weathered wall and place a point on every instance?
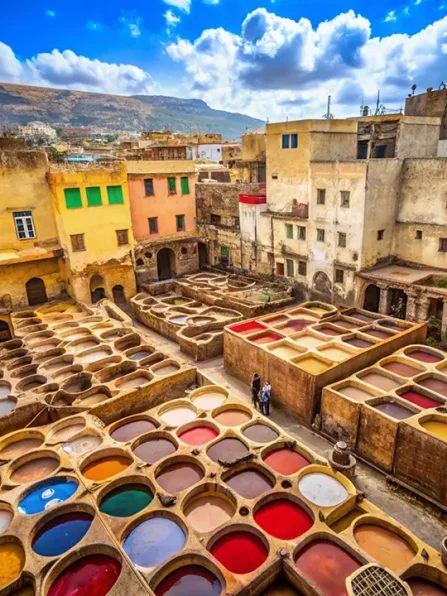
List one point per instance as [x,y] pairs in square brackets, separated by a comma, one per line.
[253,146]
[186,258]
[432,103]
[417,139]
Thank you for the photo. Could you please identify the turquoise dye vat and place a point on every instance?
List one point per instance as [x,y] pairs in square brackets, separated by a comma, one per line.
[61,534]
[154,541]
[127,500]
[47,495]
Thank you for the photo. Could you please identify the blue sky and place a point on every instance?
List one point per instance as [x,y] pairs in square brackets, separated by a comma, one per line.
[270,59]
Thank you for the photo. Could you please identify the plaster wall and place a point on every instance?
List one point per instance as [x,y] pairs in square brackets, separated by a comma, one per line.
[417,139]
[253,146]
[209,152]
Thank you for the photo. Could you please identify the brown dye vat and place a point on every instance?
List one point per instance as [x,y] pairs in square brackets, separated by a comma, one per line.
[34,470]
[169,369]
[134,382]
[386,547]
[207,513]
[362,317]
[423,587]
[32,385]
[380,381]
[281,587]
[260,433]
[178,477]
[58,365]
[94,356]
[20,447]
[399,368]
[377,333]
[232,417]
[347,324]
[91,400]
[250,484]
[130,430]
[78,385]
[154,449]
[391,325]
[355,393]
[435,385]
[277,320]
[84,345]
[227,450]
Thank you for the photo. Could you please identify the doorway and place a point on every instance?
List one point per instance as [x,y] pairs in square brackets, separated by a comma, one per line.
[97,291]
[203,255]
[35,291]
[5,333]
[165,264]
[119,297]
[372,298]
[398,303]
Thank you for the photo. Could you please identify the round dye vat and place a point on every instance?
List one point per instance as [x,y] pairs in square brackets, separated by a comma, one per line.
[61,534]
[423,587]
[5,389]
[424,356]
[199,435]
[34,470]
[5,519]
[126,500]
[177,416]
[436,428]
[6,405]
[130,430]
[207,513]
[177,477]
[394,410]
[240,552]
[283,519]
[67,432]
[285,461]
[250,484]
[401,369]
[380,381]
[227,450]
[436,385]
[154,541]
[190,579]
[12,560]
[91,400]
[209,400]
[260,433]
[419,399]
[322,489]
[82,445]
[94,356]
[20,447]
[232,417]
[154,449]
[106,467]
[48,495]
[327,566]
[96,574]
[386,547]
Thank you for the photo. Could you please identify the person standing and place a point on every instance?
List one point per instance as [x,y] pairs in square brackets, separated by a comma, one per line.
[255,389]
[265,398]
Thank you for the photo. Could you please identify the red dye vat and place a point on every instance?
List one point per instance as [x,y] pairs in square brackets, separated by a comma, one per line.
[283,519]
[240,552]
[420,400]
[327,566]
[266,338]
[424,356]
[424,587]
[286,461]
[296,325]
[198,435]
[95,574]
[248,327]
[190,579]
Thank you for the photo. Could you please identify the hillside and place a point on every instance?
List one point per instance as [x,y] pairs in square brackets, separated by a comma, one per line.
[20,104]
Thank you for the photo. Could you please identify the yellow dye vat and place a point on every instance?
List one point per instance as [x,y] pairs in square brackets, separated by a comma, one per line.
[312,365]
[308,341]
[12,559]
[335,354]
[436,428]
[286,352]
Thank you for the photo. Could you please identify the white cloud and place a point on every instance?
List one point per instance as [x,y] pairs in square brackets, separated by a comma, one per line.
[184,5]
[133,24]
[172,20]
[50,13]
[406,11]
[68,70]
[390,16]
[211,1]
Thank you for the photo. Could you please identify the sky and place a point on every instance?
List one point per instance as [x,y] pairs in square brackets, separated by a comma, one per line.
[271,59]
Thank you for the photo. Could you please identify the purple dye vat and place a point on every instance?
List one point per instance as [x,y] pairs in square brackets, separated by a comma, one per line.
[394,410]
[358,343]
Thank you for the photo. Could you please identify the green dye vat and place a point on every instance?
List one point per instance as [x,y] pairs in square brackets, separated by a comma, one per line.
[126,500]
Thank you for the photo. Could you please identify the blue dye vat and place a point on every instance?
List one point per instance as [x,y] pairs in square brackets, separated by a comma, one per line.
[154,541]
[47,495]
[61,534]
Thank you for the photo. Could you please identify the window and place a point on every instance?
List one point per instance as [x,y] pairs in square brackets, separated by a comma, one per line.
[320,235]
[93,196]
[153,225]
[289,231]
[149,187]
[77,242]
[115,195]
[274,177]
[321,196]
[380,234]
[289,264]
[294,138]
[341,239]
[301,232]
[184,183]
[379,151]
[237,223]
[279,268]
[345,198]
[180,221]
[73,198]
[362,150]
[285,141]
[215,219]
[24,225]
[339,276]
[302,268]
[443,245]
[123,237]
[172,187]
[418,234]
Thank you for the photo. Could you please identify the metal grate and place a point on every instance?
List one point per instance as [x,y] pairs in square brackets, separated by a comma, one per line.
[376,581]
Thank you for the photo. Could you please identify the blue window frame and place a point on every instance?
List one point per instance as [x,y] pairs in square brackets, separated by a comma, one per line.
[294,141]
[285,141]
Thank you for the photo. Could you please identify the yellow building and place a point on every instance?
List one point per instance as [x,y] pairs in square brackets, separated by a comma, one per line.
[92,211]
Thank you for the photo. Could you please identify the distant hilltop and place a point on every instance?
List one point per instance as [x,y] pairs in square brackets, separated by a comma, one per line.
[20,104]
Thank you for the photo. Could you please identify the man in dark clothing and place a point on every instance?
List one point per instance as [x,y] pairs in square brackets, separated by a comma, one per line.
[255,389]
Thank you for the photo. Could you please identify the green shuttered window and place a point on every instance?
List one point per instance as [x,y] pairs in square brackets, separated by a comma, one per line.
[171,186]
[115,195]
[185,185]
[93,196]
[73,198]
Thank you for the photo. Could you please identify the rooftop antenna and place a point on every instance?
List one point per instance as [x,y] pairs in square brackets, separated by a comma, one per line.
[328,114]
[442,85]
[413,88]
[362,107]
